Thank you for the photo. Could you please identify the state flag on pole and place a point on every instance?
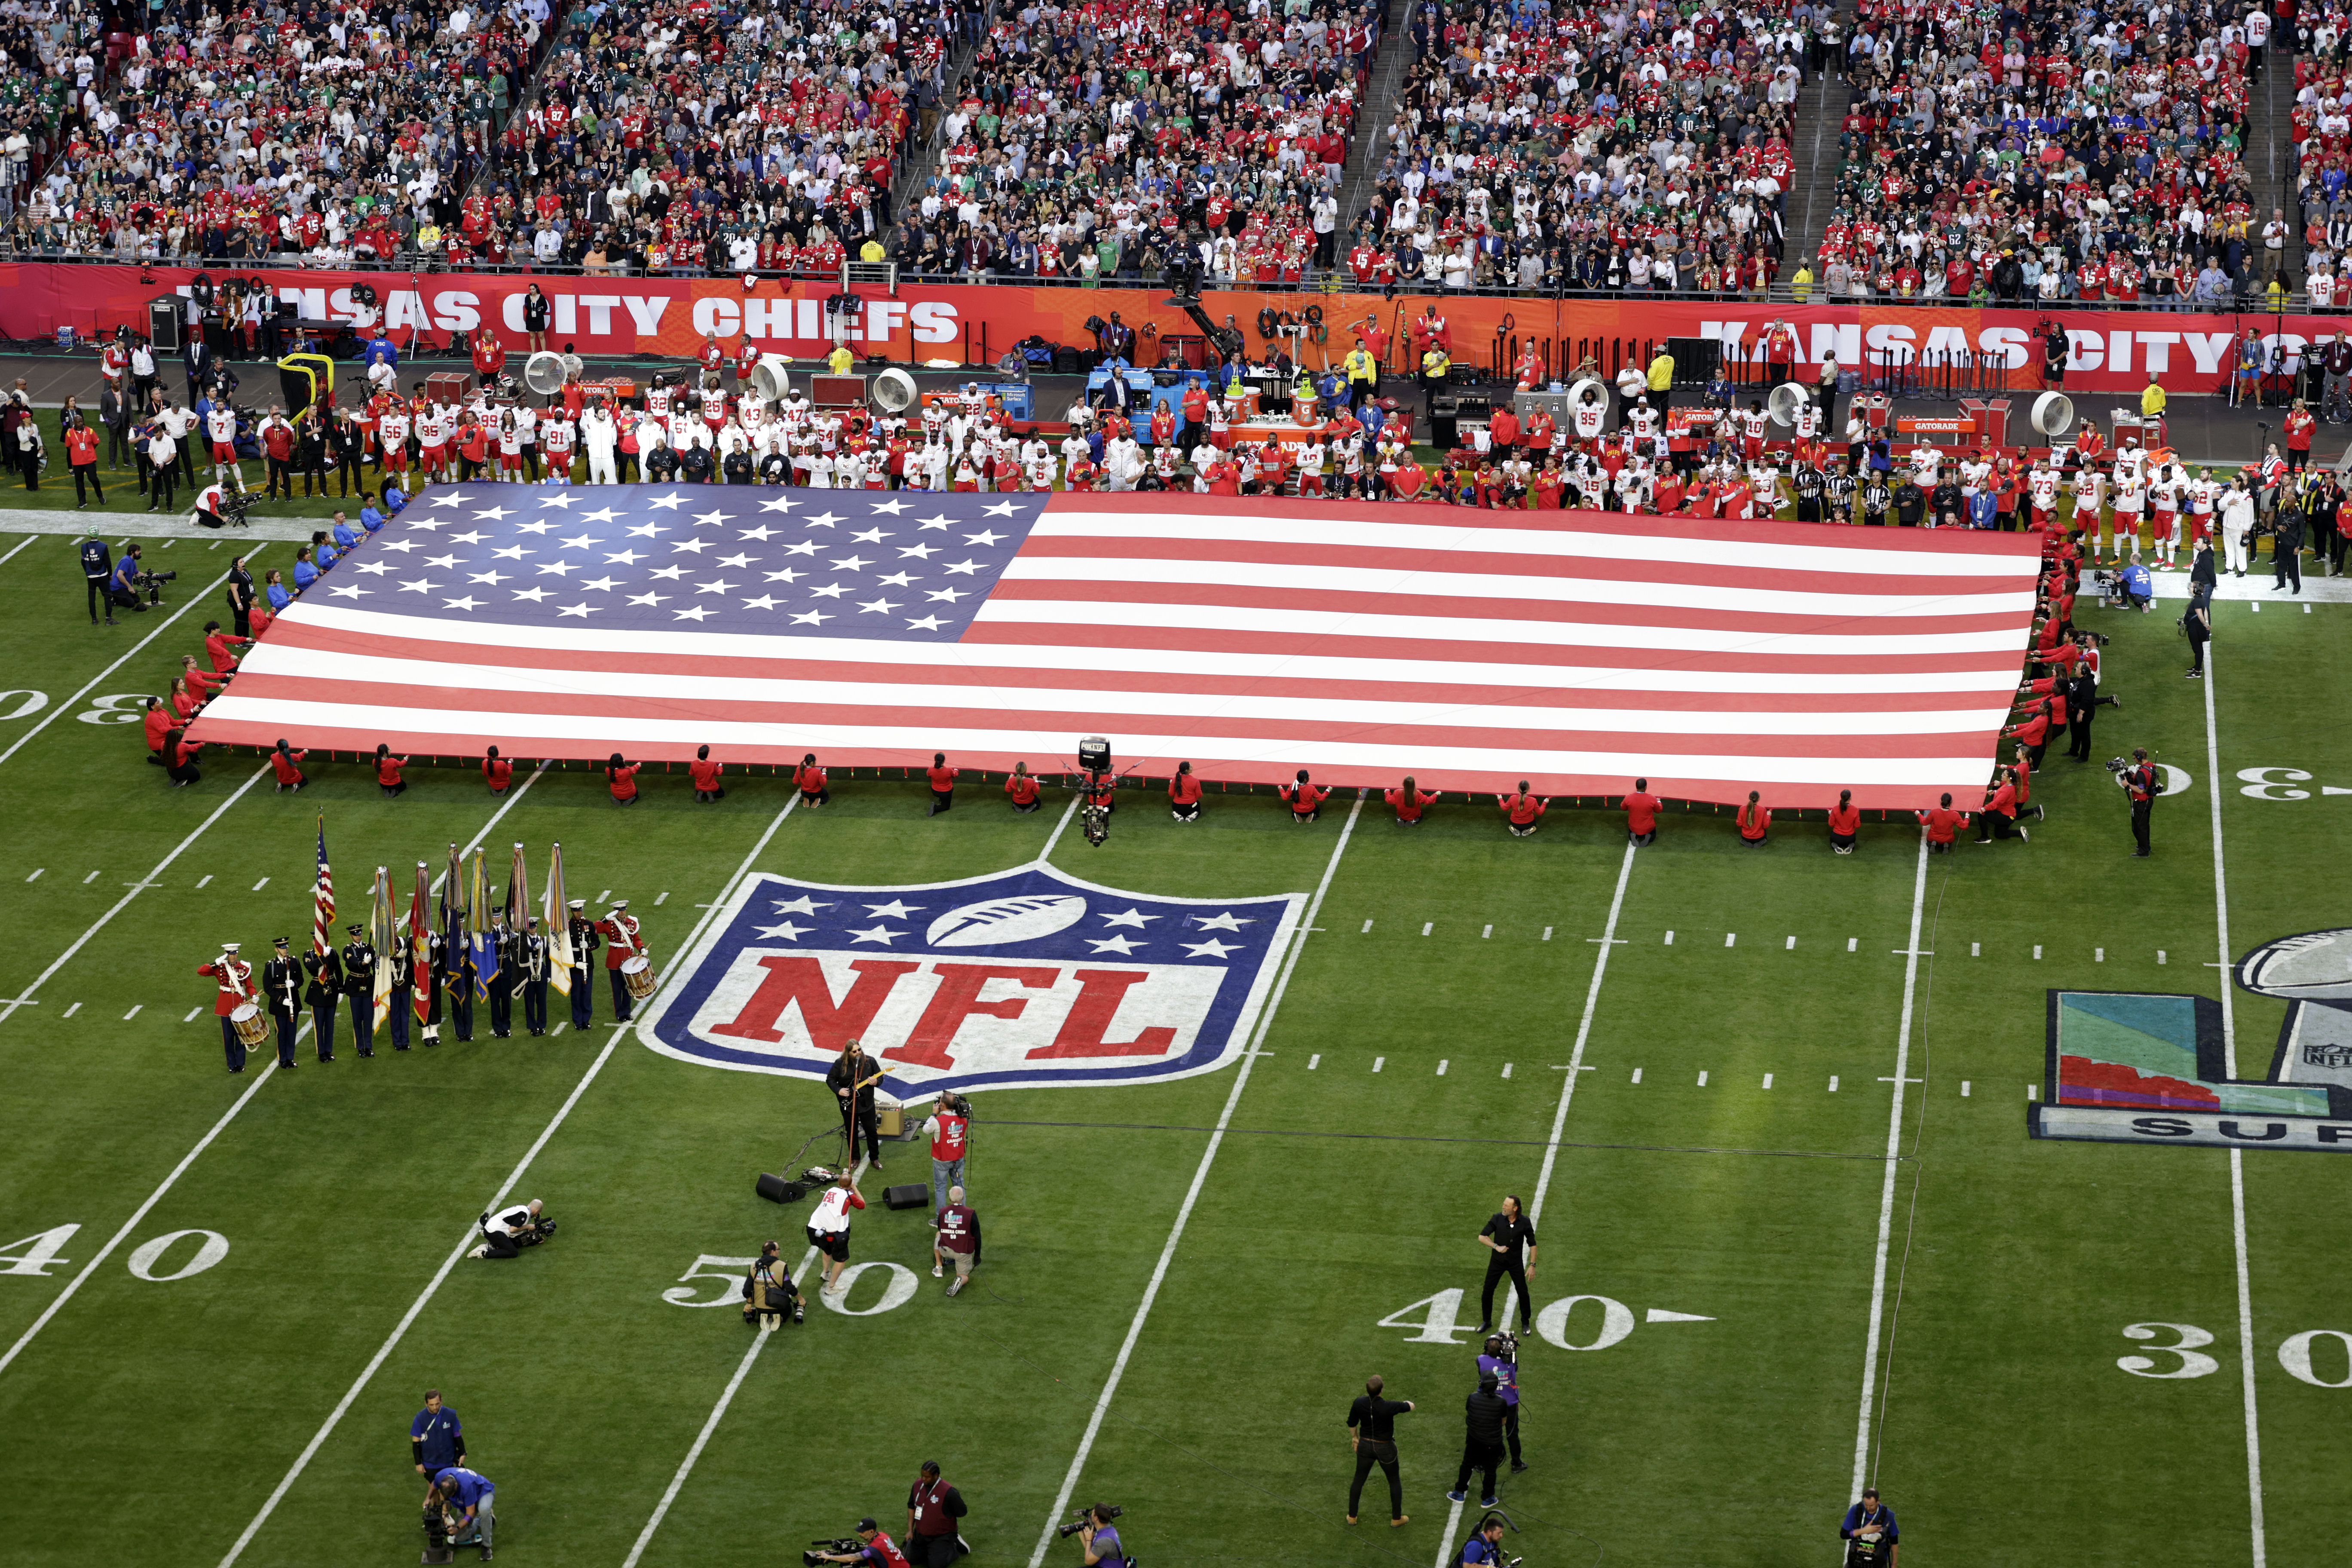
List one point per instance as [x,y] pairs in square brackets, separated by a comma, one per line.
[555,915]
[1253,636]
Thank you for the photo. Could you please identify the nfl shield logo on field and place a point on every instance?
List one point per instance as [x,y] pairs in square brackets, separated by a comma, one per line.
[1022,979]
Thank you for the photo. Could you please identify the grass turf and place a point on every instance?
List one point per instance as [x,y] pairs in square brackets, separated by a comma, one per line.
[1340,1195]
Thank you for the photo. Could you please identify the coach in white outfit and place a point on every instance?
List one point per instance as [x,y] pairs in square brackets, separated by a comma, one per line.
[601,438]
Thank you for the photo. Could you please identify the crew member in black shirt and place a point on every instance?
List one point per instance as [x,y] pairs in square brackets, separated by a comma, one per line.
[1482,1440]
[1506,1235]
[1372,1433]
[97,567]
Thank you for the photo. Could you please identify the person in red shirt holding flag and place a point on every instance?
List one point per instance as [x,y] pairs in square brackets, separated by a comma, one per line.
[287,763]
[1641,810]
[1755,822]
[1408,800]
[621,777]
[1184,795]
[496,771]
[1524,811]
[1304,798]
[1020,788]
[1941,825]
[809,779]
[387,772]
[942,780]
[1845,823]
[705,773]
[216,645]
[1999,818]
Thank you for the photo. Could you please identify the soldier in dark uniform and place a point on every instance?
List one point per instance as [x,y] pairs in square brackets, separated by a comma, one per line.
[502,979]
[437,982]
[530,974]
[585,943]
[403,959]
[281,993]
[324,992]
[358,985]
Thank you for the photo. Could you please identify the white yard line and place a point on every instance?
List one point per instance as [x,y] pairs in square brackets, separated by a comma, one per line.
[12,554]
[1070,811]
[2237,1156]
[1447,1541]
[74,701]
[1055,1515]
[467,1242]
[1894,1164]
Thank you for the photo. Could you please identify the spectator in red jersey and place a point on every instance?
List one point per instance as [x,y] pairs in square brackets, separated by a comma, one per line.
[496,771]
[1020,788]
[1641,810]
[1408,800]
[1755,822]
[622,777]
[288,764]
[705,773]
[387,772]
[1845,822]
[810,781]
[1304,798]
[1184,795]
[1999,818]
[1942,824]
[1523,811]
[942,780]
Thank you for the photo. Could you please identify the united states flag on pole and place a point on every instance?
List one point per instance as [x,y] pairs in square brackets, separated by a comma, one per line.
[322,898]
[1253,636]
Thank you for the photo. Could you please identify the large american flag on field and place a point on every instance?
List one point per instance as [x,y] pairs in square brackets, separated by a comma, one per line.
[1362,641]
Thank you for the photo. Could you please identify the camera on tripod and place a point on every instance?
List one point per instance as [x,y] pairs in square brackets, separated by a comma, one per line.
[436,1532]
[1080,1519]
[839,1546]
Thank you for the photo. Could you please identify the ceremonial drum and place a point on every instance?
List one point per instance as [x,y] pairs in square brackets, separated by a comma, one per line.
[252,1028]
[639,976]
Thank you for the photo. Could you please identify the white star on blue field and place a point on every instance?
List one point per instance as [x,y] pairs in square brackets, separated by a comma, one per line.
[903,565]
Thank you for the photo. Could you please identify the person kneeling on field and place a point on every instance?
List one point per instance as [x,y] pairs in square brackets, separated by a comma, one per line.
[507,1232]
[958,1238]
[465,1498]
[769,1292]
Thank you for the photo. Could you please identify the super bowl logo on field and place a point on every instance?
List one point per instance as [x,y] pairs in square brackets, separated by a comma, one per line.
[1025,978]
[2139,1068]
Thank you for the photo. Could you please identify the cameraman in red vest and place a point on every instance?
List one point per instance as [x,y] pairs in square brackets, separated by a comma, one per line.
[950,1132]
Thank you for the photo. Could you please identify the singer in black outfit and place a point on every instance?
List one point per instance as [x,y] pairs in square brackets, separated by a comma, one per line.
[850,1077]
[1511,1239]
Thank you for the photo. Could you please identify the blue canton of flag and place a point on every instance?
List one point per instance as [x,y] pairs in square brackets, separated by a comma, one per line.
[910,566]
[1026,978]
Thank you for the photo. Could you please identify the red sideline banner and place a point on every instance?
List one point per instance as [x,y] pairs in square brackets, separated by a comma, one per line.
[2113,351]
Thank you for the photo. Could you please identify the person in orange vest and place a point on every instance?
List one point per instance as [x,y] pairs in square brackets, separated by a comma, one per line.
[1641,810]
[1021,789]
[809,779]
[1408,800]
[1755,822]
[1304,798]
[942,781]
[1524,811]
[1184,795]
[1941,825]
[1845,823]
[705,773]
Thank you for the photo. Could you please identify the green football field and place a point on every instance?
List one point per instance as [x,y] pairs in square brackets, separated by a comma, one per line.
[1770,1109]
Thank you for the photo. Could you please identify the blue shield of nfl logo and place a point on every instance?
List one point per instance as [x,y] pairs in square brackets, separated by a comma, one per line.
[1023,979]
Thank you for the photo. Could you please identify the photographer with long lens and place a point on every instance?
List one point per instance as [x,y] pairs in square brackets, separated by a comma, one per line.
[508,1231]
[1098,1542]
[2141,784]
[1484,1545]
[871,1547]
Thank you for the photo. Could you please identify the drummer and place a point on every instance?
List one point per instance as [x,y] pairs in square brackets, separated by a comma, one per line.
[233,976]
[622,947]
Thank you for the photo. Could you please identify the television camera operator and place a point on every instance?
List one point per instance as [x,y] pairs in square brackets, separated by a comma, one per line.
[1484,1545]
[506,1232]
[464,1497]
[131,578]
[769,1291]
[2141,782]
[872,1547]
